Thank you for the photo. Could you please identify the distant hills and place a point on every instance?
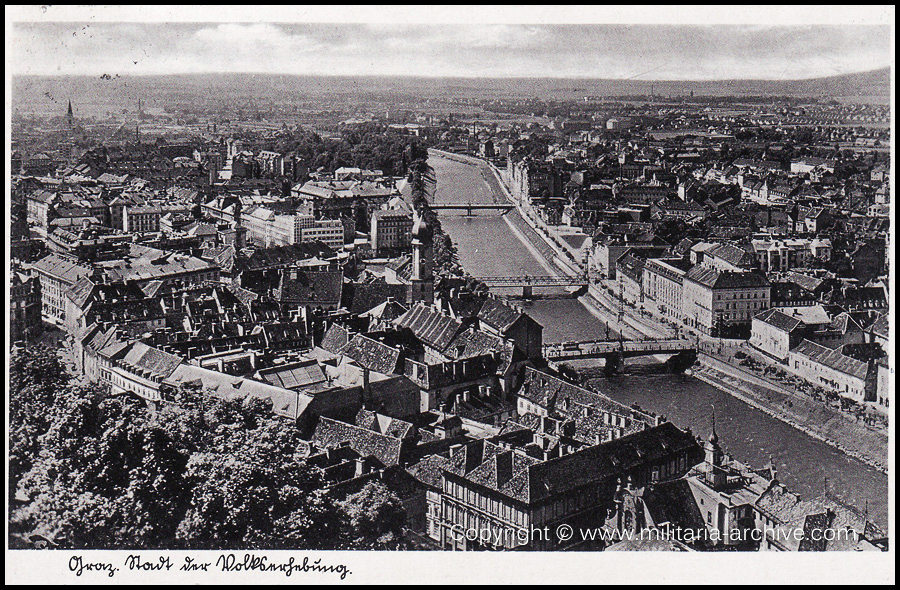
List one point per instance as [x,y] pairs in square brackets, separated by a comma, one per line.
[110,93]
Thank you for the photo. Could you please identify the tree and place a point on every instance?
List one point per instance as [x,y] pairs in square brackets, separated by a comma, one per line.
[422,179]
[250,491]
[193,416]
[105,477]
[36,378]
[375,518]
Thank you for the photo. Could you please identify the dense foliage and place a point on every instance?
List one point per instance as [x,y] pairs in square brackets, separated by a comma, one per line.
[94,470]
[369,147]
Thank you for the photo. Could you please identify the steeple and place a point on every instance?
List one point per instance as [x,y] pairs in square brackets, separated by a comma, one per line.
[70,116]
[421,287]
[714,438]
[716,474]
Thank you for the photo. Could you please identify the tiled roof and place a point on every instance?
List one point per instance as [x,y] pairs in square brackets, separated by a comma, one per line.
[384,424]
[331,433]
[432,327]
[779,320]
[387,312]
[283,255]
[608,460]
[811,315]
[498,315]
[881,326]
[290,404]
[546,390]
[430,470]
[372,355]
[335,339]
[715,279]
[831,358]
[731,254]
[61,268]
[804,281]
[531,480]
[362,297]
[158,363]
[310,288]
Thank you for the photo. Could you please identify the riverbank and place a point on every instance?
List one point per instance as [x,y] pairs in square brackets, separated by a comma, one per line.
[489,247]
[816,421]
[825,424]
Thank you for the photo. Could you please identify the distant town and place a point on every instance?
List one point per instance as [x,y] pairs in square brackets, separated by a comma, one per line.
[390,321]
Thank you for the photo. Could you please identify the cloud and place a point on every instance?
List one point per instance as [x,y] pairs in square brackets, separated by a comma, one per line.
[499,50]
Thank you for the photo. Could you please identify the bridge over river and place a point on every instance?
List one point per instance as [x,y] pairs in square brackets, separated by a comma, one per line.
[529,282]
[488,246]
[470,207]
[616,351]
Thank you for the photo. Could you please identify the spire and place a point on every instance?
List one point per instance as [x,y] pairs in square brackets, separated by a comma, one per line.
[714,438]
[69,113]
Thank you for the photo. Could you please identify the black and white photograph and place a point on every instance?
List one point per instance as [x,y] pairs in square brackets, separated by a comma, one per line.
[306,295]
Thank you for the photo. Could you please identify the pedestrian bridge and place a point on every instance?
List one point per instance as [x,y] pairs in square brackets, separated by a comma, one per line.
[533,281]
[528,283]
[616,350]
[470,207]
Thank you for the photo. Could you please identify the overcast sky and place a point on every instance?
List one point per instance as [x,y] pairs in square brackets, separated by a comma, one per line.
[647,52]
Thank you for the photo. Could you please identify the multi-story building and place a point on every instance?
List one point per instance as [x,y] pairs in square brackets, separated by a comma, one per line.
[141,218]
[630,277]
[39,204]
[390,230]
[664,284]
[720,303]
[833,370]
[328,231]
[776,333]
[504,494]
[24,306]
[785,254]
[57,275]
[270,229]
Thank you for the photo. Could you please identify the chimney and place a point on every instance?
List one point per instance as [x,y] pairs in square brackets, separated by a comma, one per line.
[474,455]
[360,467]
[504,461]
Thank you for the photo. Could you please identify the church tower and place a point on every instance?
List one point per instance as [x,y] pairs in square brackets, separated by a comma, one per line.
[716,476]
[421,287]
[70,116]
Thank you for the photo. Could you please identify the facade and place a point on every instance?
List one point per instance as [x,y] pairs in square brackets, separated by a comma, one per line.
[390,230]
[24,306]
[270,229]
[141,218]
[776,333]
[328,231]
[833,370]
[883,392]
[787,254]
[719,303]
[664,284]
[508,493]
[57,275]
[630,277]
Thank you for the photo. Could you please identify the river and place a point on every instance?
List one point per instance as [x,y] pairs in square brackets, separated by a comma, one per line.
[488,246]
